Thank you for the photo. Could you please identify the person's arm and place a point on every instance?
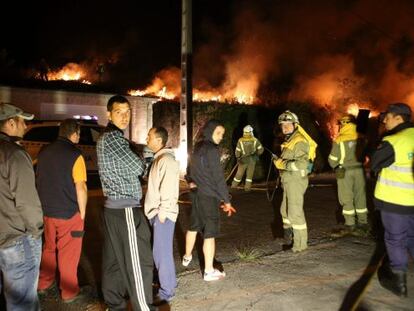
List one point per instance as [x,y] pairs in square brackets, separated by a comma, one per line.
[126,157]
[79,178]
[334,156]
[169,171]
[238,152]
[22,186]
[82,197]
[383,157]
[259,147]
[300,160]
[217,175]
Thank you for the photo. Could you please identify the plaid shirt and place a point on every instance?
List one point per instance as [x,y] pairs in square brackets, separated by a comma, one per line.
[119,167]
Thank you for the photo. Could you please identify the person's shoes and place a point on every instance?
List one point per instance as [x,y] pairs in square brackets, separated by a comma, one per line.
[343,231]
[214,275]
[394,281]
[81,297]
[158,301]
[45,291]
[186,260]
[361,230]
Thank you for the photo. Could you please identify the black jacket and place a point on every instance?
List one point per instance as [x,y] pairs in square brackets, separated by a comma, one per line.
[205,169]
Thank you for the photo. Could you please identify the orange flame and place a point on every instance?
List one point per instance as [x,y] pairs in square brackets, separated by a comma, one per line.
[167,85]
[70,72]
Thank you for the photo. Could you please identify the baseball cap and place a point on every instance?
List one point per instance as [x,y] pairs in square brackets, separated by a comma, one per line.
[8,111]
[399,109]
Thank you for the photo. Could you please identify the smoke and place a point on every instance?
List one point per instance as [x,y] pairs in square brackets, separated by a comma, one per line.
[334,53]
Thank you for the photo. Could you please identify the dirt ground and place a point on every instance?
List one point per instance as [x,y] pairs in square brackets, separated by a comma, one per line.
[330,275]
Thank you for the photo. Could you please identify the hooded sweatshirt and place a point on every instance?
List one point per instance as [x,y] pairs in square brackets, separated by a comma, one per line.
[163,186]
[205,167]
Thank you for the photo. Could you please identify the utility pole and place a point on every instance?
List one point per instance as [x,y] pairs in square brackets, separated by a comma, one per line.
[186,98]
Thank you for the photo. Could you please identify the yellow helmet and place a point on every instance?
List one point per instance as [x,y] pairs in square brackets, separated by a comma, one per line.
[288,116]
[349,118]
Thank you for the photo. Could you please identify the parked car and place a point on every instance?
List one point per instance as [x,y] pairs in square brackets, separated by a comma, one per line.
[41,133]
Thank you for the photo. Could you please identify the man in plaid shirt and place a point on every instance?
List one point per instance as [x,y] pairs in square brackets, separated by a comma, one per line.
[127,262]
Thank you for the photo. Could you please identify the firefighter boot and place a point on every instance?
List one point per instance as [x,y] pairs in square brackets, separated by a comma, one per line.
[394,281]
[361,230]
[234,184]
[247,186]
[342,231]
[288,234]
[300,240]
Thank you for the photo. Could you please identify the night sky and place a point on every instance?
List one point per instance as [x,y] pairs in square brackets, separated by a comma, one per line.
[328,50]
[135,38]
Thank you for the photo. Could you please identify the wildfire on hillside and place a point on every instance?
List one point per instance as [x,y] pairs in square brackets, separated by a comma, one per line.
[70,72]
[166,85]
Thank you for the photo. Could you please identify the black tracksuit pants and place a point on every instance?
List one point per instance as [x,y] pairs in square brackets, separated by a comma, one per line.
[127,264]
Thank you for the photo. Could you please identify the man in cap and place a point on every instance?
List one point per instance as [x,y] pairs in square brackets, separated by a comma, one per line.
[293,165]
[21,215]
[248,150]
[394,195]
[346,157]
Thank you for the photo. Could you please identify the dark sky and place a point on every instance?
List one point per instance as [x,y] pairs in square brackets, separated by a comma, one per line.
[137,38]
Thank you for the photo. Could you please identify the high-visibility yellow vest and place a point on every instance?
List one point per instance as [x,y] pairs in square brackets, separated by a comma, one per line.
[395,183]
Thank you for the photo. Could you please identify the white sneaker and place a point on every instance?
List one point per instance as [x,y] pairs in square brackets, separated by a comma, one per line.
[214,275]
[186,260]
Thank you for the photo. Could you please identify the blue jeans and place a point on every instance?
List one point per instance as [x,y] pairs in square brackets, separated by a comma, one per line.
[19,265]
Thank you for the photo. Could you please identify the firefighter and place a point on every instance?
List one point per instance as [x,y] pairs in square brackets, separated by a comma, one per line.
[294,165]
[394,195]
[248,150]
[346,158]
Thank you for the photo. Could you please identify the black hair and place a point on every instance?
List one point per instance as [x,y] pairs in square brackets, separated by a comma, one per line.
[162,133]
[68,127]
[116,99]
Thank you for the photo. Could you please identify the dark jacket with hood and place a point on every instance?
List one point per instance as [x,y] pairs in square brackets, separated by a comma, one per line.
[205,169]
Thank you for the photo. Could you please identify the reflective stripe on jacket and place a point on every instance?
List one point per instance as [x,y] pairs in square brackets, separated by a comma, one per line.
[395,183]
[248,146]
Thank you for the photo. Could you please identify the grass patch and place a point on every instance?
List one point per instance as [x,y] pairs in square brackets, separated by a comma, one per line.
[247,253]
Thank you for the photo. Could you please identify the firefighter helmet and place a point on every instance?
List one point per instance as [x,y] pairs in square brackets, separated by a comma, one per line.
[248,129]
[349,118]
[288,116]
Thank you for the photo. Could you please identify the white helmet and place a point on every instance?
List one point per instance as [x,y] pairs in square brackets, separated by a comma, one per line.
[288,116]
[248,129]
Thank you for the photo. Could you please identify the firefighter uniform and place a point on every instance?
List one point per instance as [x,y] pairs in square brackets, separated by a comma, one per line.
[247,152]
[293,165]
[346,158]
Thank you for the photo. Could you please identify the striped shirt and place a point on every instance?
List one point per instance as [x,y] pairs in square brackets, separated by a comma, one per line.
[119,167]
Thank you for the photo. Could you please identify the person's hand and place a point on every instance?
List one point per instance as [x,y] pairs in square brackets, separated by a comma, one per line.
[227,208]
[192,185]
[161,218]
